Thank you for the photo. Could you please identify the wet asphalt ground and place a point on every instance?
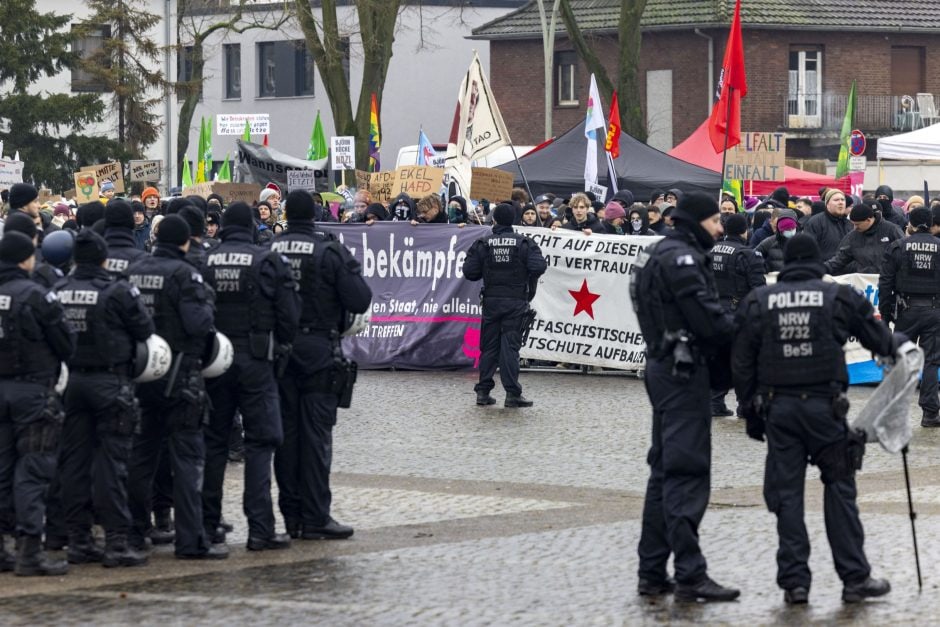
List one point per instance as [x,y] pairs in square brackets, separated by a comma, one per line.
[491,516]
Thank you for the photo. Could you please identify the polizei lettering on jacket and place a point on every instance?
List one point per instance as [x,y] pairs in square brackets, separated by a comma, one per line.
[293,247]
[723,249]
[78,297]
[116,265]
[5,303]
[147,281]
[229,259]
[797,298]
[920,247]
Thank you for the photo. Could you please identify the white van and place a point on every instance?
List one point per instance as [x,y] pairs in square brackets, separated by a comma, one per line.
[409,156]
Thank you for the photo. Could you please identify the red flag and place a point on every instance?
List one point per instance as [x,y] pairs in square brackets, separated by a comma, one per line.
[732,86]
[612,145]
[264,142]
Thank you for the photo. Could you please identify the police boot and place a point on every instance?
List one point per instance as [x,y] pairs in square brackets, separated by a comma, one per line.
[517,400]
[162,532]
[7,561]
[32,562]
[83,550]
[704,591]
[930,421]
[484,398]
[294,527]
[55,542]
[118,553]
[857,592]
[654,588]
[332,530]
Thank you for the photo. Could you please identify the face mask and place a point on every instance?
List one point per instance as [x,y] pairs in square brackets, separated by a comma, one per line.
[636,224]
[789,234]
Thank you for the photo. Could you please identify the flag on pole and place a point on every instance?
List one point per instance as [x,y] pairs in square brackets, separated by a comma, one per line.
[734,188]
[375,140]
[592,121]
[246,136]
[264,142]
[187,176]
[200,152]
[317,148]
[725,122]
[425,150]
[612,145]
[207,150]
[224,175]
[845,137]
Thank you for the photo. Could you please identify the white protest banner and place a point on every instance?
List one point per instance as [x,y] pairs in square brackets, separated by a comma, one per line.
[301,179]
[10,172]
[585,315]
[234,123]
[759,157]
[148,171]
[111,171]
[342,153]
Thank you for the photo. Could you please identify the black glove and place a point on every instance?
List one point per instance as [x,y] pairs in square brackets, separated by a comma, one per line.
[887,317]
[754,424]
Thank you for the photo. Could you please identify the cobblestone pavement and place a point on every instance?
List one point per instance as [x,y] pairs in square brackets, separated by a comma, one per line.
[483,516]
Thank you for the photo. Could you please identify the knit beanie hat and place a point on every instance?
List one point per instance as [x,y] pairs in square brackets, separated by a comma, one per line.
[801,247]
[266,193]
[736,224]
[15,247]
[614,210]
[174,230]
[89,213]
[830,193]
[148,192]
[695,206]
[118,213]
[861,211]
[90,248]
[22,223]
[919,216]
[786,224]
[194,219]
[238,214]
[504,214]
[625,196]
[21,194]
[107,186]
[299,205]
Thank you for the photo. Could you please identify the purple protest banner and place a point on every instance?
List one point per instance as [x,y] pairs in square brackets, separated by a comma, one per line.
[425,315]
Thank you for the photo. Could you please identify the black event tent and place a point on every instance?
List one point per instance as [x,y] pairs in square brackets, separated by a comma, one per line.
[558,167]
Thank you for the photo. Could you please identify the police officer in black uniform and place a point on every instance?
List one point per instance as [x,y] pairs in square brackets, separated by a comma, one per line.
[738,269]
[196,255]
[257,307]
[682,321]
[174,407]
[909,296]
[790,375]
[34,339]
[510,265]
[119,235]
[101,411]
[331,287]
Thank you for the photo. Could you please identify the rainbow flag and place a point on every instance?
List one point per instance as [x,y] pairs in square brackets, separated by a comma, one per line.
[375,140]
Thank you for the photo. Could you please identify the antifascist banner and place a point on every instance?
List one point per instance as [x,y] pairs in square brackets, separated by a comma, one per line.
[584,312]
[425,315]
[262,165]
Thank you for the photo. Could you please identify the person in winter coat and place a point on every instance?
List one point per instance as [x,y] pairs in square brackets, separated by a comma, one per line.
[430,210]
[543,210]
[769,227]
[885,197]
[830,227]
[457,210]
[141,225]
[402,208]
[636,222]
[771,249]
[529,216]
[654,217]
[581,219]
[614,218]
[862,250]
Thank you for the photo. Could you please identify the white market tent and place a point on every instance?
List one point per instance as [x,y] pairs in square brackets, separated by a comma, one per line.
[920,145]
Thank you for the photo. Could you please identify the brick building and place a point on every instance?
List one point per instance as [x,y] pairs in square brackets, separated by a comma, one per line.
[801,58]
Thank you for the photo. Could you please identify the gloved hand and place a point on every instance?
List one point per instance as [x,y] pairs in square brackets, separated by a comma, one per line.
[754,424]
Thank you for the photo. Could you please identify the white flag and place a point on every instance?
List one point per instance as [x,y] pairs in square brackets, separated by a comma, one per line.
[593,121]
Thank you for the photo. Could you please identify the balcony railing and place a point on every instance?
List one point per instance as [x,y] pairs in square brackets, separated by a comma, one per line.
[825,112]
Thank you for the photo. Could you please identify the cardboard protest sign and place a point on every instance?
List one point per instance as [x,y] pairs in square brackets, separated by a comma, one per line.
[490,183]
[418,180]
[302,179]
[759,157]
[147,171]
[112,171]
[382,185]
[86,187]
[237,192]
[198,189]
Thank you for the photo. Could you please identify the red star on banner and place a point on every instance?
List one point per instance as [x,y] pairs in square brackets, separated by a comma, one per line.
[584,300]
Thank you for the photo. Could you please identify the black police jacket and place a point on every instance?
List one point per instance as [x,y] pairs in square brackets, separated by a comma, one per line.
[911,266]
[122,250]
[35,336]
[864,252]
[175,295]
[512,273]
[790,335]
[738,269]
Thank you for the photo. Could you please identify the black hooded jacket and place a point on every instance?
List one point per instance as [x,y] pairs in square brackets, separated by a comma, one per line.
[590,222]
[400,214]
[864,252]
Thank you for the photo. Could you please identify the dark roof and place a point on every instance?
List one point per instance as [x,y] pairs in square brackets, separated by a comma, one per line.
[855,15]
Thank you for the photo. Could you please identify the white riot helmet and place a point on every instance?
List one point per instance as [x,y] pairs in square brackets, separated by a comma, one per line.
[357,323]
[154,358]
[223,354]
[63,381]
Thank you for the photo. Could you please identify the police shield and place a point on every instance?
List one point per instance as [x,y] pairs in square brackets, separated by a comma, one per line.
[887,415]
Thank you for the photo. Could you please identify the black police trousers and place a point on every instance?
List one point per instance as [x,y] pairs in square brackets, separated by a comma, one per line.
[248,386]
[798,429]
[500,340]
[25,469]
[177,424]
[302,463]
[680,468]
[100,419]
[922,325]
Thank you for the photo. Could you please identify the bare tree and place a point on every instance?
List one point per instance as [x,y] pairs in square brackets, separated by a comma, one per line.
[548,49]
[195,25]
[629,37]
[377,20]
